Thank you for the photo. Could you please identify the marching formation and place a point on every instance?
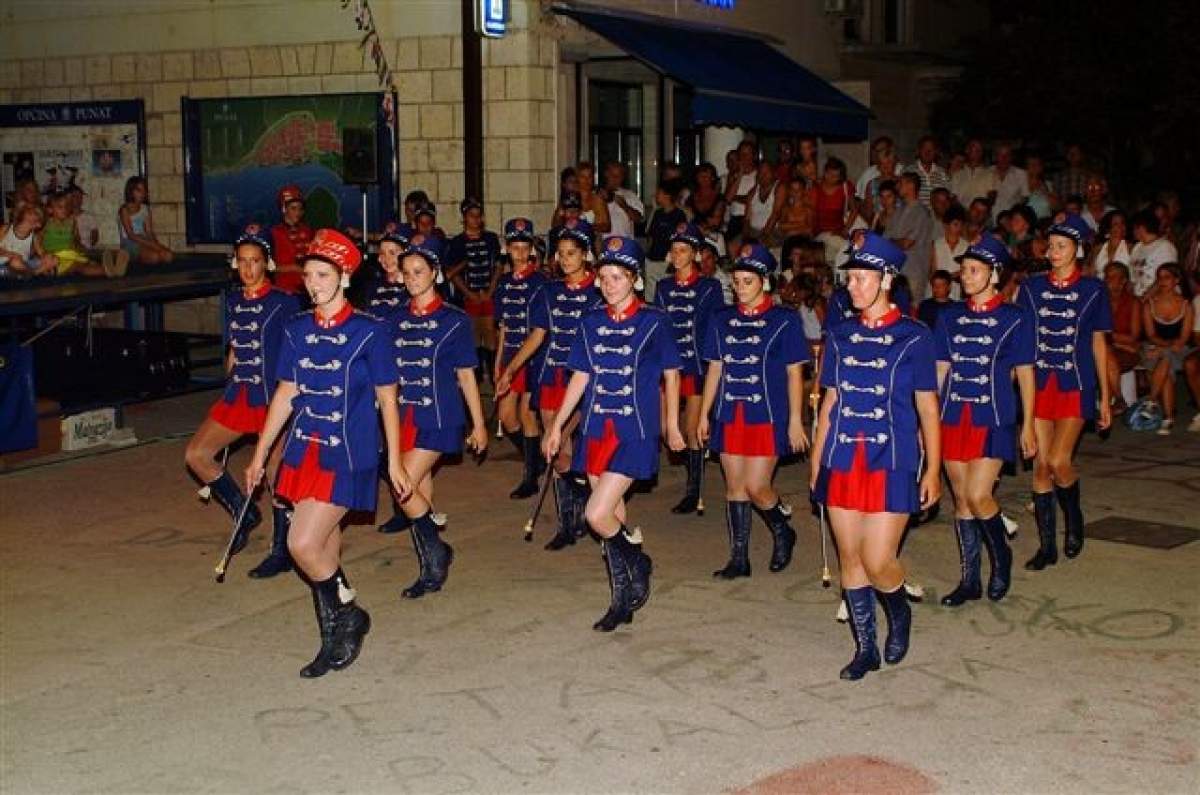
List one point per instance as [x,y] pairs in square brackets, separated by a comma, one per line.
[379,378]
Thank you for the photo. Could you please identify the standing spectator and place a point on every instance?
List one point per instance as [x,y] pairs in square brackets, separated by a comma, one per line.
[886,169]
[1166,317]
[1151,251]
[739,185]
[951,245]
[1010,184]
[471,262]
[1072,181]
[663,223]
[912,229]
[1191,365]
[807,151]
[886,206]
[940,285]
[1042,198]
[594,209]
[932,175]
[1094,205]
[940,201]
[711,252]
[290,239]
[706,203]
[1112,244]
[1126,333]
[625,209]
[975,178]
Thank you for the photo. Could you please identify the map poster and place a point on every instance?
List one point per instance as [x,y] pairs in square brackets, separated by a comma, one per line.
[241,150]
[56,146]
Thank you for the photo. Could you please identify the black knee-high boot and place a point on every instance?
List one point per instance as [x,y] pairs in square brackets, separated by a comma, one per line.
[620,609]
[1043,511]
[1068,499]
[278,560]
[342,623]
[564,503]
[434,555]
[640,568]
[861,605]
[694,461]
[783,536]
[969,588]
[227,494]
[399,522]
[899,620]
[738,519]
[532,454]
[995,540]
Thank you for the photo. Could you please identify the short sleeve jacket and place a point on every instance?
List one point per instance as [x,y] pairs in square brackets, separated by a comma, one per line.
[982,346]
[336,366]
[625,360]
[430,347]
[512,297]
[557,308]
[755,350]
[876,371]
[1066,315]
[479,254]
[690,305]
[255,325]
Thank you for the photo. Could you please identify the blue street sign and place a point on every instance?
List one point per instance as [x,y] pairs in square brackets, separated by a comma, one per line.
[493,18]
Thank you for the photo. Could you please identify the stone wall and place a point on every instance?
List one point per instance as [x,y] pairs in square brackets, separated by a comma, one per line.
[519,114]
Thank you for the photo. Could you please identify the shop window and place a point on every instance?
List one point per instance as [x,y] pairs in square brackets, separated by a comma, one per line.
[687,145]
[615,128]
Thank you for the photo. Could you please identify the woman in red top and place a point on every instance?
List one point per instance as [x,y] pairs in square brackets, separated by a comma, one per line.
[290,239]
[833,199]
[1127,330]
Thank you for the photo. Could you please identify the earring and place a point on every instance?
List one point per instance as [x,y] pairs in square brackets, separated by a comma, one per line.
[270,264]
[766,284]
[233,262]
[345,281]
[886,282]
[439,279]
[639,284]
[994,279]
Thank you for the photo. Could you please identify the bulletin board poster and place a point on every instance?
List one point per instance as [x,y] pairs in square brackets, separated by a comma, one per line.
[95,146]
[239,151]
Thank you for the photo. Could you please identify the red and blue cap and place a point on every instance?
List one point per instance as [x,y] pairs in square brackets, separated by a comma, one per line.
[571,201]
[468,204]
[288,194]
[425,208]
[330,245]
[989,251]
[876,253]
[623,251]
[688,233]
[756,258]
[519,230]
[254,234]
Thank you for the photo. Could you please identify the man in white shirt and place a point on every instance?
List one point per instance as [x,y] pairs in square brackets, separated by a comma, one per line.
[882,146]
[932,175]
[974,180]
[1149,253]
[625,209]
[1095,206]
[1009,182]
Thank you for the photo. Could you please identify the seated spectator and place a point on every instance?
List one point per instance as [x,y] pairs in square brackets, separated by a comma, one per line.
[706,204]
[1022,229]
[950,246]
[762,214]
[1011,185]
[912,230]
[25,195]
[21,252]
[86,228]
[886,207]
[137,226]
[833,202]
[61,249]
[1191,365]
[940,201]
[625,208]
[1042,198]
[1095,205]
[979,213]
[1111,244]
[595,209]
[931,307]
[1073,204]
[712,251]
[886,169]
[1166,317]
[796,214]
[1127,330]
[1150,252]
[785,161]
[975,177]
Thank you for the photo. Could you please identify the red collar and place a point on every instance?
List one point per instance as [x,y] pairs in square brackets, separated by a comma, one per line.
[256,294]
[525,272]
[689,281]
[757,309]
[1076,275]
[336,320]
[433,306]
[886,319]
[629,312]
[587,282]
[986,306]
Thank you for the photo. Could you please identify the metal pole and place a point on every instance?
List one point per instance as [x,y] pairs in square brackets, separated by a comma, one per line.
[472,82]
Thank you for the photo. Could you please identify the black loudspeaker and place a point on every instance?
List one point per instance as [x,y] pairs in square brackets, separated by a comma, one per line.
[359,161]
